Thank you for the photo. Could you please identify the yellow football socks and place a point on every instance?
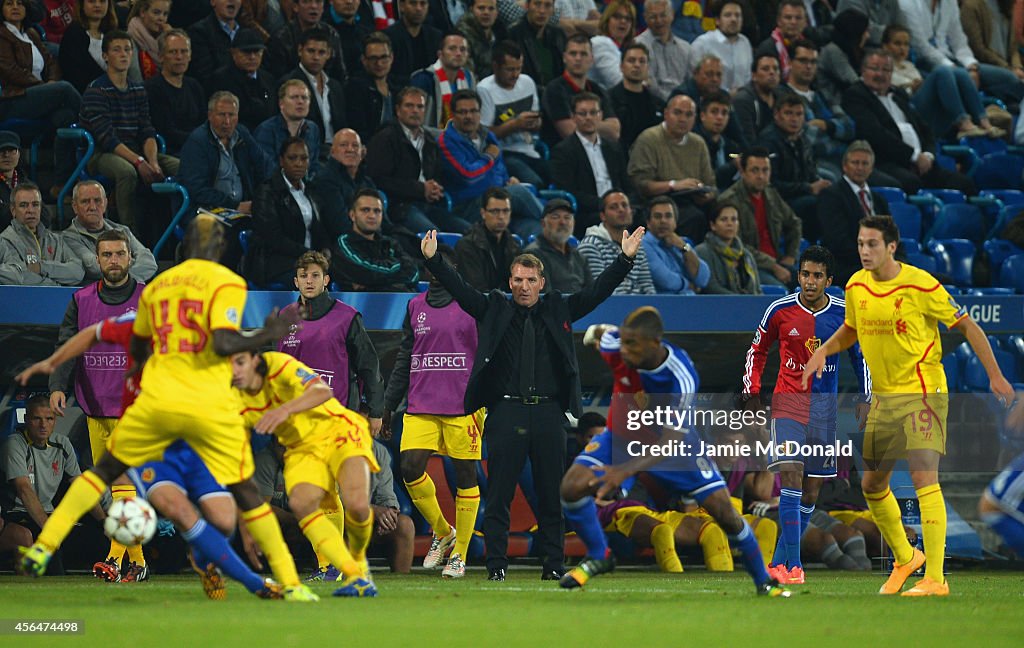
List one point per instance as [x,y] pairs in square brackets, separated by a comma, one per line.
[715,545]
[933,530]
[82,495]
[424,498]
[266,531]
[664,542]
[327,542]
[467,504]
[359,533]
[886,512]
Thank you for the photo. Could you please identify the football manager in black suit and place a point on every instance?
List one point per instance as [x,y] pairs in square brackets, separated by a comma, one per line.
[526,374]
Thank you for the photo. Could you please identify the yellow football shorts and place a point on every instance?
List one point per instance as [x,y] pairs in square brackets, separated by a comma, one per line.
[626,517]
[459,437]
[849,517]
[99,431]
[318,461]
[218,436]
[901,422]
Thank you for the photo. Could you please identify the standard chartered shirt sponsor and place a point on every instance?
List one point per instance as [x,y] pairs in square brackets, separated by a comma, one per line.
[438,362]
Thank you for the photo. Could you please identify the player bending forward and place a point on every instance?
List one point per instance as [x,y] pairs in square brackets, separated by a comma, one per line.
[325,444]
[893,310]
[666,372]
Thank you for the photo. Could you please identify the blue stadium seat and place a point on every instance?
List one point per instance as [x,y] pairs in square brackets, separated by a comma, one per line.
[1006,214]
[891,194]
[963,353]
[1005,196]
[952,366]
[989,292]
[518,239]
[975,377]
[551,194]
[775,291]
[959,221]
[542,148]
[997,251]
[954,257]
[999,171]
[911,245]
[946,196]
[922,261]
[1015,345]
[983,146]
[1012,273]
[907,218]
[835,291]
[448,238]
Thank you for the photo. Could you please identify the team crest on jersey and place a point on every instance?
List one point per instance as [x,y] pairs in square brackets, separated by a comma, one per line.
[898,304]
[960,310]
[148,474]
[901,327]
[812,343]
[641,399]
[862,304]
[305,376]
[593,446]
[232,315]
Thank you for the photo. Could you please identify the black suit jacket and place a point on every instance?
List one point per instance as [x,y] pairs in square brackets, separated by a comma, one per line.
[394,165]
[493,312]
[281,232]
[839,212]
[876,125]
[211,48]
[571,171]
[257,98]
[335,97]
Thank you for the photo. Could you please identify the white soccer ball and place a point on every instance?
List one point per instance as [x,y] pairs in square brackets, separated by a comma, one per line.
[130,521]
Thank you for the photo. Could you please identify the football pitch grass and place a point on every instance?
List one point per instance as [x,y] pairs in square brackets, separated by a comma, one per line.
[622,610]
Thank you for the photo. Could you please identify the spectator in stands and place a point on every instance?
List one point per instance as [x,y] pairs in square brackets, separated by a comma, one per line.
[405,163]
[705,82]
[542,43]
[283,49]
[370,261]
[213,37]
[675,267]
[293,104]
[565,269]
[794,169]
[177,103]
[577,16]
[471,162]
[753,103]
[371,92]
[343,175]
[766,223]
[880,13]
[30,85]
[841,58]
[222,164]
[36,461]
[616,30]
[669,159]
[715,114]
[938,39]
[483,32]
[732,266]
[391,527]
[288,219]
[484,253]
[601,245]
[946,98]
[902,142]
[443,78]
[353,21]
[828,126]
[412,41]
[327,108]
[244,77]
[557,96]
[631,98]
[147,20]
[671,58]
[58,15]
[510,108]
[588,165]
[30,254]
[10,174]
[116,112]
[990,34]
[844,204]
[790,24]
[729,45]
[89,202]
[81,52]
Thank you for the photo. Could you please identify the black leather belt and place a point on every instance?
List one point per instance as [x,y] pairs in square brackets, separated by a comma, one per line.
[528,400]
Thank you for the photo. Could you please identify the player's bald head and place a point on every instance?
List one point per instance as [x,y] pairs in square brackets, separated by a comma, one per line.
[204,238]
[645,321]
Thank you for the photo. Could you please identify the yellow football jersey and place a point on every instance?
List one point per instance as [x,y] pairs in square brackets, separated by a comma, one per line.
[286,380]
[179,310]
[896,323]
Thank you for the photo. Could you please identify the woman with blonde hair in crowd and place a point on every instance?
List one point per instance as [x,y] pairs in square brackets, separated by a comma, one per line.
[146,21]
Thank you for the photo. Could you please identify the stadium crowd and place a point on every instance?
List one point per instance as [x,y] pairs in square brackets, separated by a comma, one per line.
[331,137]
